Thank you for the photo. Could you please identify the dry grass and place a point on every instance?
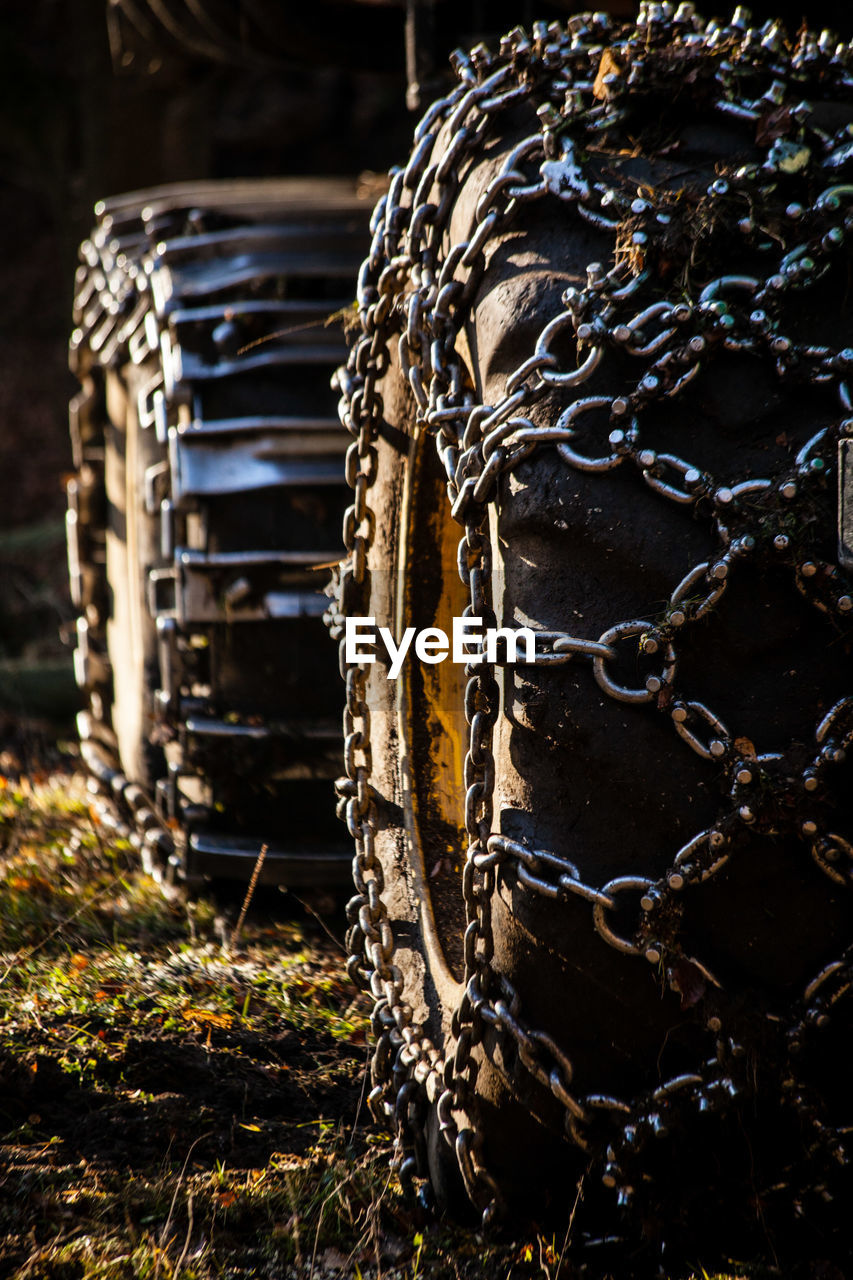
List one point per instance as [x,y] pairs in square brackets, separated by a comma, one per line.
[172,1109]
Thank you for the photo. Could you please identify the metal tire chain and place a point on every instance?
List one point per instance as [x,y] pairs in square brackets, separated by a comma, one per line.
[407,286]
[111,303]
[113,311]
[108,311]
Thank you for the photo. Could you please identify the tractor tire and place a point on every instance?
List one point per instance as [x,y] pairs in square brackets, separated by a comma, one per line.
[601,940]
[208,494]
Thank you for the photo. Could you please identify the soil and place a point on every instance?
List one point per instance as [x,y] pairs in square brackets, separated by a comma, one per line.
[160,1094]
[123,1141]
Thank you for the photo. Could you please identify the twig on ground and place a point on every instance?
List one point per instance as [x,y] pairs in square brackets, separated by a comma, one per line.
[185,1249]
[578,1199]
[321,922]
[365,1079]
[26,952]
[250,893]
[164,1234]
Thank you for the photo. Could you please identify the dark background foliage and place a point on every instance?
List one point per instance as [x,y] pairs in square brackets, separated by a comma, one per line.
[91,104]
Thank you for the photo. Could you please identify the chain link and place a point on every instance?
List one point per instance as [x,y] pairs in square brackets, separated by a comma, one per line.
[418,285]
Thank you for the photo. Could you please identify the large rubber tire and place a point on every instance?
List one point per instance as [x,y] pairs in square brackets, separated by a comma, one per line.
[596,781]
[206,431]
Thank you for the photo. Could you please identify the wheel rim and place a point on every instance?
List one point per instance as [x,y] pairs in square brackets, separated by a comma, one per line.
[431,707]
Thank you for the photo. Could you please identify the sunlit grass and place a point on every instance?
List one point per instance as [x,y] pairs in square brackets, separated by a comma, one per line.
[229,1076]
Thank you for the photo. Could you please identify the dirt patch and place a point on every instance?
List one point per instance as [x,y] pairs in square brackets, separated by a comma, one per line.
[235,1097]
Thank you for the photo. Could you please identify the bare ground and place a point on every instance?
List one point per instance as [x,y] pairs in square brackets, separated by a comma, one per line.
[180,1104]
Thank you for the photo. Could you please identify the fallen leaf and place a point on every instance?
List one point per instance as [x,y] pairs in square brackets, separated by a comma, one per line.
[208,1018]
[109,989]
[285,1162]
[607,66]
[746,748]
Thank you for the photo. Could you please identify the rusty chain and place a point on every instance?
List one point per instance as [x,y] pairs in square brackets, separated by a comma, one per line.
[418,289]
